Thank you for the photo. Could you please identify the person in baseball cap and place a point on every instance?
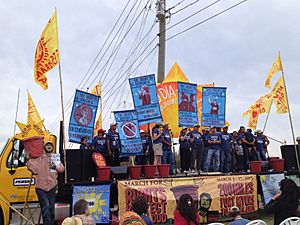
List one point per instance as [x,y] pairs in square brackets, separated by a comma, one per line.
[99,142]
[113,146]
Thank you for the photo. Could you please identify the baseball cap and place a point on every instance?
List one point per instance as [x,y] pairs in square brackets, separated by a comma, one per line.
[142,131]
[113,124]
[298,139]
[259,131]
[184,128]
[196,125]
[211,127]
[101,131]
[225,127]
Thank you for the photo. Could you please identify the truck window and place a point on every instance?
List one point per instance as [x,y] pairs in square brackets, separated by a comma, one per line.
[17,156]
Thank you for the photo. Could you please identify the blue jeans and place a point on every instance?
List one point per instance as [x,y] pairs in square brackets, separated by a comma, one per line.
[47,201]
[168,158]
[213,154]
[225,164]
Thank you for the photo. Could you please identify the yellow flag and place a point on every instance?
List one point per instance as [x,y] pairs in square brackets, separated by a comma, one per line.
[46,54]
[276,67]
[32,114]
[252,123]
[97,89]
[280,96]
[261,106]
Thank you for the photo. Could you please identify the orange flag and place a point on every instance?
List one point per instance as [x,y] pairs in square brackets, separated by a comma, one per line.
[46,54]
[97,91]
[280,96]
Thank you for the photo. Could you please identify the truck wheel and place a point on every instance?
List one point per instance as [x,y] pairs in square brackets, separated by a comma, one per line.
[1,217]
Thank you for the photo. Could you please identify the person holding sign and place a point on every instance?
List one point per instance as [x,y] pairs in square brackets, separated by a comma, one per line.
[197,148]
[46,181]
[168,156]
[214,141]
[157,134]
[113,145]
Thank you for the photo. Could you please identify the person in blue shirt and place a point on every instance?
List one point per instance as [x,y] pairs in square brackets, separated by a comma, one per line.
[214,142]
[225,157]
[157,134]
[205,132]
[84,145]
[140,207]
[261,143]
[185,149]
[167,157]
[235,213]
[142,159]
[113,146]
[99,143]
[197,148]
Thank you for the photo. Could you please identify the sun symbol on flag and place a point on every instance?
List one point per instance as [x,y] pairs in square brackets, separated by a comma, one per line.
[95,204]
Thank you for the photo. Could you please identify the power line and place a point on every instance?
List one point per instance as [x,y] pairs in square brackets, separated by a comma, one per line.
[185,7]
[194,14]
[209,18]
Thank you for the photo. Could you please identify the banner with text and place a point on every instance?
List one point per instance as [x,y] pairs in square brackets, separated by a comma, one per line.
[213,106]
[187,104]
[214,195]
[98,197]
[145,99]
[83,116]
[128,127]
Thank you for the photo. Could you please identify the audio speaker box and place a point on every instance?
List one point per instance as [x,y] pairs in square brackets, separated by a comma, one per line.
[80,165]
[119,172]
[289,155]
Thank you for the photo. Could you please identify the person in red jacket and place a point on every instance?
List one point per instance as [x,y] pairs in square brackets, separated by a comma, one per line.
[186,211]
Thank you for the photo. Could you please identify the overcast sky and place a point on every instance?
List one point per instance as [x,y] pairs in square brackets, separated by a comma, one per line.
[235,50]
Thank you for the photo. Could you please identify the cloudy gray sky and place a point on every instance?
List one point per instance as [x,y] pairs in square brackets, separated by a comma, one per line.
[235,50]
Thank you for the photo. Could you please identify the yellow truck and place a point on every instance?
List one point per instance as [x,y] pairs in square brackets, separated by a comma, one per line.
[14,182]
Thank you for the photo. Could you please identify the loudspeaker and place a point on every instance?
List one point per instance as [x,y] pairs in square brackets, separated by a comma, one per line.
[289,155]
[80,165]
[73,157]
[119,172]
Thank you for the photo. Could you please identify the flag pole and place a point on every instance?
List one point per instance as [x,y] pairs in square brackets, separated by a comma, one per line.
[62,104]
[17,109]
[265,125]
[290,118]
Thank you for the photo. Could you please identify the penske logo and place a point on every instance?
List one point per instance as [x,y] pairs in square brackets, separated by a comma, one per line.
[23,181]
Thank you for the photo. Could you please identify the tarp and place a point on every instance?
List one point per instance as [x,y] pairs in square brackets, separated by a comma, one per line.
[128,127]
[214,105]
[187,104]
[98,197]
[83,116]
[212,194]
[145,99]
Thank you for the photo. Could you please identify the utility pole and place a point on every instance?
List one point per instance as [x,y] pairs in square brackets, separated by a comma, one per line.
[161,15]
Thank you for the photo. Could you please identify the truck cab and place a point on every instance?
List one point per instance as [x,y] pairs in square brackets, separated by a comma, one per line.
[14,181]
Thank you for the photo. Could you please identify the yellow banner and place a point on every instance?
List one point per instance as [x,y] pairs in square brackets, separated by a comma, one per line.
[213,195]
[97,90]
[280,96]
[276,67]
[32,111]
[46,54]
[261,106]
[253,119]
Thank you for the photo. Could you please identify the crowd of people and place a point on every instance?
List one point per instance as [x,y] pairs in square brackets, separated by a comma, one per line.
[209,150]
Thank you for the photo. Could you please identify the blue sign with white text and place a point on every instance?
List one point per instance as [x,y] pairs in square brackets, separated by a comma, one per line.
[83,116]
[187,104]
[213,106]
[145,99]
[98,197]
[128,127]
